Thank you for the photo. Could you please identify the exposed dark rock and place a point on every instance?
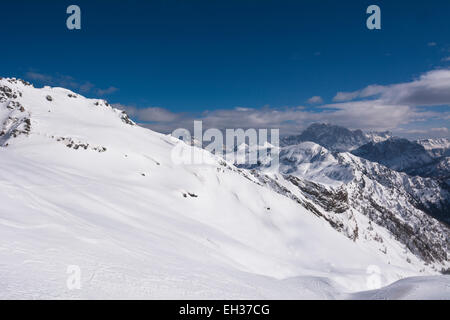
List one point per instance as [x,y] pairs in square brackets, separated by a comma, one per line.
[124,117]
[70,143]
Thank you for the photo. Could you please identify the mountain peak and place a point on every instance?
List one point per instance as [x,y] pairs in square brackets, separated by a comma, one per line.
[55,113]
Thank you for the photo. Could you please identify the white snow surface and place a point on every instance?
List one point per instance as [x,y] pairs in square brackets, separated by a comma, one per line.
[141,226]
[415,288]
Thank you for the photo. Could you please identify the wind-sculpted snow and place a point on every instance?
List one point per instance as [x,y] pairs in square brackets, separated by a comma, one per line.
[140,225]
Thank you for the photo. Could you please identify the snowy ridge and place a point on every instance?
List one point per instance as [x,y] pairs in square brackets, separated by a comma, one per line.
[81,184]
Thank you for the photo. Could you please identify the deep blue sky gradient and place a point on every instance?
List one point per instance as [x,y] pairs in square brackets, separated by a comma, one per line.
[196,55]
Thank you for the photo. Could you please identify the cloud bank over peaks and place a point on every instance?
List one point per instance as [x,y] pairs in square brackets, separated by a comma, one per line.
[408,109]
[430,89]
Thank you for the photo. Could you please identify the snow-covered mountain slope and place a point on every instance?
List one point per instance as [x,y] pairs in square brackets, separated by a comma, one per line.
[335,138]
[81,184]
[346,190]
[315,163]
[425,158]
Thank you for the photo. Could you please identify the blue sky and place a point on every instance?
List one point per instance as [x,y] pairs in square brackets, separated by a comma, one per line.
[168,62]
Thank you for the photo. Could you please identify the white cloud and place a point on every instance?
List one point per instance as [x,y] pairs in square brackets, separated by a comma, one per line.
[398,107]
[38,76]
[68,82]
[151,114]
[426,132]
[315,100]
[346,96]
[86,87]
[432,44]
[430,89]
[440,130]
[369,115]
[242,109]
[107,91]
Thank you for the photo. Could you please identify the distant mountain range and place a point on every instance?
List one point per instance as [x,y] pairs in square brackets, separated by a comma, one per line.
[335,138]
[425,158]
[335,156]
